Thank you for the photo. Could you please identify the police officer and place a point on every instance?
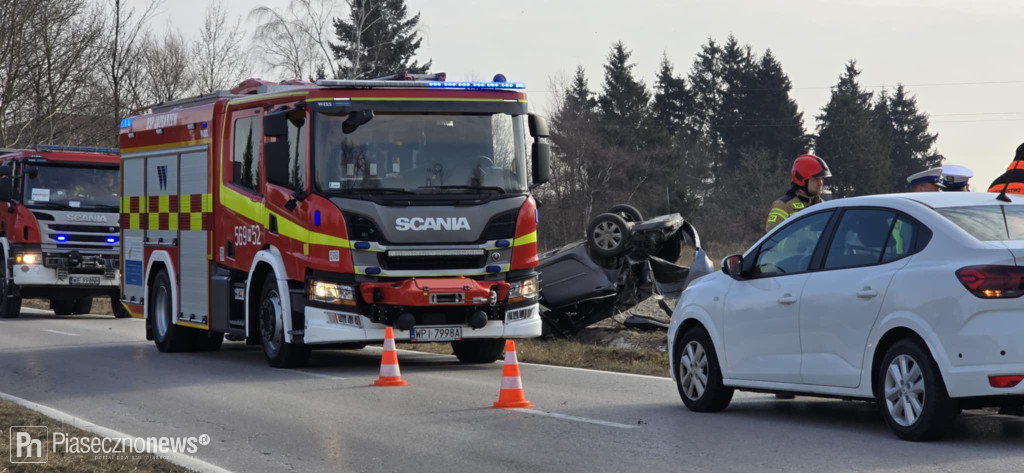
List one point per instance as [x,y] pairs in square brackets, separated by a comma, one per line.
[926,181]
[808,174]
[956,178]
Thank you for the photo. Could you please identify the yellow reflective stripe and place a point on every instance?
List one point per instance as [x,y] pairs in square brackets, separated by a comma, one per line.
[172,221]
[258,213]
[125,204]
[362,270]
[207,203]
[192,324]
[163,203]
[195,220]
[133,222]
[526,239]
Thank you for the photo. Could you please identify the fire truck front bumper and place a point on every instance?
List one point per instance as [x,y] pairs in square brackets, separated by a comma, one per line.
[39,275]
[343,325]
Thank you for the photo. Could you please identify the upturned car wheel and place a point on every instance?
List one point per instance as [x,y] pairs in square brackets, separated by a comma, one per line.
[627,212]
[912,395]
[698,376]
[607,235]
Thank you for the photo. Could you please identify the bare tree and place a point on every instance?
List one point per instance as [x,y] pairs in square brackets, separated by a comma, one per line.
[297,39]
[124,49]
[219,58]
[166,64]
[15,47]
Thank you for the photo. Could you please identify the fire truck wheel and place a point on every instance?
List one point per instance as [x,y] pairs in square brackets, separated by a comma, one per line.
[62,306]
[207,341]
[118,308]
[83,305]
[478,351]
[169,338]
[10,306]
[279,353]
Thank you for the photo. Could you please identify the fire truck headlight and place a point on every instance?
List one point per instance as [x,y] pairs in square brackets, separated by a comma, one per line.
[526,289]
[27,258]
[332,293]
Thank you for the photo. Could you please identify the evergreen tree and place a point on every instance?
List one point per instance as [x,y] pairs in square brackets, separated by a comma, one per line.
[624,100]
[849,140]
[738,87]
[378,39]
[905,135]
[672,108]
[579,101]
[250,174]
[706,88]
[778,124]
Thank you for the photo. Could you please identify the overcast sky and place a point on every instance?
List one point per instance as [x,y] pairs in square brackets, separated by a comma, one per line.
[962,59]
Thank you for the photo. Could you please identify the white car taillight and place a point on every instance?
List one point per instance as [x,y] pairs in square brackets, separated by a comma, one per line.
[993,281]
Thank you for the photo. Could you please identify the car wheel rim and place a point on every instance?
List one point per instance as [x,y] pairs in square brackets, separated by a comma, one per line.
[904,390]
[269,327]
[162,312]
[607,235]
[693,370]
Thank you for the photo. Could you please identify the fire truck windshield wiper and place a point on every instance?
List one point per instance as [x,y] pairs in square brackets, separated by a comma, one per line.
[482,188]
[374,190]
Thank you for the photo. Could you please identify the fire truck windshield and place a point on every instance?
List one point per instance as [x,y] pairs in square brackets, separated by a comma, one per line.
[421,153]
[55,186]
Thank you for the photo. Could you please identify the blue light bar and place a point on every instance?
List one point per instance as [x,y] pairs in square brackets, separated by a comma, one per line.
[502,244]
[112,240]
[477,85]
[373,270]
[362,245]
[494,268]
[316,214]
[62,238]
[126,123]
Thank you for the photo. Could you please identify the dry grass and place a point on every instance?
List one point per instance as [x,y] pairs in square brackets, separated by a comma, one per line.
[12,414]
[575,354]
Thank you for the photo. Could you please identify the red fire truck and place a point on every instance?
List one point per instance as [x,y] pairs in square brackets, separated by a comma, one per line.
[300,215]
[59,228]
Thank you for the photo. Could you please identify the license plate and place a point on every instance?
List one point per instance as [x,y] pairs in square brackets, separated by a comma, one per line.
[436,334]
[85,280]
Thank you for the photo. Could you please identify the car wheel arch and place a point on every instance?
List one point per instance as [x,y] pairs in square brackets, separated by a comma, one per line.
[891,337]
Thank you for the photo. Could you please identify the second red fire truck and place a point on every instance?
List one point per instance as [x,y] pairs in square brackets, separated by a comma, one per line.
[302,215]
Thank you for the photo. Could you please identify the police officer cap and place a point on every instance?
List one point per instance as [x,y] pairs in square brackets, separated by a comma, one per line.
[933,175]
[955,177]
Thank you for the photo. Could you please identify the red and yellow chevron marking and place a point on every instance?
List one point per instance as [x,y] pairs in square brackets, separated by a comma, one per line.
[167,212]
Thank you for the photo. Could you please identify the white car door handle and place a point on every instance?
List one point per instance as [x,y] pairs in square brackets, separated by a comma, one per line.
[787,299]
[867,293]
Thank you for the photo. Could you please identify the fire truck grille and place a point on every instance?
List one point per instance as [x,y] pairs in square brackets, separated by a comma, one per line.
[64,235]
[412,260]
[501,226]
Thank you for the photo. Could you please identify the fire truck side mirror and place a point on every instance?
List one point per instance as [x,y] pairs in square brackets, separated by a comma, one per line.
[541,150]
[6,184]
[538,126]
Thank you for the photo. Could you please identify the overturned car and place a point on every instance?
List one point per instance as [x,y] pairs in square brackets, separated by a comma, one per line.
[623,260]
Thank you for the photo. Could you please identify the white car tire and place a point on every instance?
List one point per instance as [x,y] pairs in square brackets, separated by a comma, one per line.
[911,394]
[698,375]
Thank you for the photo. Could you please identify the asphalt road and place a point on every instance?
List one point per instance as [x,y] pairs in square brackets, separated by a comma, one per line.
[326,417]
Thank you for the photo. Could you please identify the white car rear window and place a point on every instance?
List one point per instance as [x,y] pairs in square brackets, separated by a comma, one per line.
[988,222]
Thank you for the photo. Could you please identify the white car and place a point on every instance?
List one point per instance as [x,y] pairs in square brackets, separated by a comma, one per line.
[912,300]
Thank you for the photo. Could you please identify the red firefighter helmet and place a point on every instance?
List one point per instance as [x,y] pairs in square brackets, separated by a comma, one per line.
[808,166]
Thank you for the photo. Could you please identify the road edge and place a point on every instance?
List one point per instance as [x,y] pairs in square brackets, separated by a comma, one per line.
[192,464]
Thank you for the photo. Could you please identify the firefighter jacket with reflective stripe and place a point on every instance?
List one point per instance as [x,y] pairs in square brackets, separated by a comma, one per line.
[794,201]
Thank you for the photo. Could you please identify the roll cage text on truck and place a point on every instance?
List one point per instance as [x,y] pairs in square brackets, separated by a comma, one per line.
[302,215]
[59,228]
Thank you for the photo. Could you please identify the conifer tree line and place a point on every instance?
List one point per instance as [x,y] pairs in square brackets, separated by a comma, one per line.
[716,143]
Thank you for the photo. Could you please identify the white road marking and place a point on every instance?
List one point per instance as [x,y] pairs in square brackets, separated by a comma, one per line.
[577,419]
[58,332]
[307,373]
[187,461]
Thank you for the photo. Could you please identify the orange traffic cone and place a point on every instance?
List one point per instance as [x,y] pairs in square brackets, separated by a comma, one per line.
[389,372]
[511,394]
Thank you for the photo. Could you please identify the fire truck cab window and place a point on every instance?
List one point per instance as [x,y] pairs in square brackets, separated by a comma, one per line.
[245,170]
[422,154]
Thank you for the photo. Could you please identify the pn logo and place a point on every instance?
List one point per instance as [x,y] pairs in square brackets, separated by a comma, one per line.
[161,174]
[28,444]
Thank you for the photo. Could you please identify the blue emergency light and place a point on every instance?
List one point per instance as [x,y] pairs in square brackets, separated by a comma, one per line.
[112,240]
[126,123]
[62,238]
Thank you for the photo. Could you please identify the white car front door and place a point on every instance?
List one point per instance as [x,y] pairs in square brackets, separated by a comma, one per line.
[762,309]
[841,302]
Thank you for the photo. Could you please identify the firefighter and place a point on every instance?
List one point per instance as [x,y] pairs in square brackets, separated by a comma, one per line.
[956,178]
[808,174]
[1012,181]
[926,181]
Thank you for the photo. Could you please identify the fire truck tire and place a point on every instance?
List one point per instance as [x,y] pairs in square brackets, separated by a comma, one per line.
[62,306]
[118,308]
[279,353]
[478,351]
[83,305]
[169,338]
[207,341]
